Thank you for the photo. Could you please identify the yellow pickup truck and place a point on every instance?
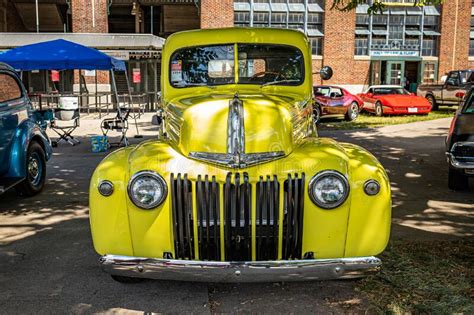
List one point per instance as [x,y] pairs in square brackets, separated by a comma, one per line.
[238,187]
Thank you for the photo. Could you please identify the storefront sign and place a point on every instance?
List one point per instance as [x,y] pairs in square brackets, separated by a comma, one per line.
[394,53]
[54,75]
[136,75]
[118,54]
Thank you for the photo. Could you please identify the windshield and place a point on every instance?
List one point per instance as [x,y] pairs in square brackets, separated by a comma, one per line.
[390,90]
[260,64]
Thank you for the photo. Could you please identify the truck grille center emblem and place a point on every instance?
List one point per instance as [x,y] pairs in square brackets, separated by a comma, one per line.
[236,156]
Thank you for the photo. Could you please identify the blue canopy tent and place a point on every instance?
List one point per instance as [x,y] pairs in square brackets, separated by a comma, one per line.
[61,54]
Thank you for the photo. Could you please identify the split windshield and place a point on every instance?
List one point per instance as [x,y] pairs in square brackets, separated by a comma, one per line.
[260,64]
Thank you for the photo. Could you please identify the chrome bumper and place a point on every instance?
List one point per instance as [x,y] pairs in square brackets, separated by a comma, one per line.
[258,271]
[458,164]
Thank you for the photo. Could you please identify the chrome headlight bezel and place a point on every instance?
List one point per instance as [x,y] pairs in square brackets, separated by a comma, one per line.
[320,176]
[155,176]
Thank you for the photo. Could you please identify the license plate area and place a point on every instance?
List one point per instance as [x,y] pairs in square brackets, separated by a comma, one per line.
[412,110]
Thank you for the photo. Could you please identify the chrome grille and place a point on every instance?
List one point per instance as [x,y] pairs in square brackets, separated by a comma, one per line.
[226,228]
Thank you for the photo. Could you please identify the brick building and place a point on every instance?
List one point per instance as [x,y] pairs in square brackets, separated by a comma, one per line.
[403,45]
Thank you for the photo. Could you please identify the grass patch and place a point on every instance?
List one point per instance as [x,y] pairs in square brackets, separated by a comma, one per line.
[366,120]
[423,277]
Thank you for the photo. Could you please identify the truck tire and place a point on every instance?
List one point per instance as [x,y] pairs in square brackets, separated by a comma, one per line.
[35,171]
[352,112]
[434,105]
[457,180]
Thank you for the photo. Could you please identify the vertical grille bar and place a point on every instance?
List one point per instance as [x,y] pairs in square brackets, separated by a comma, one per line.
[181,204]
[216,205]
[227,216]
[293,220]
[208,204]
[246,202]
[276,212]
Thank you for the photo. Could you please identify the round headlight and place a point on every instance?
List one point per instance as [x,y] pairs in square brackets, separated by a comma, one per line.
[328,189]
[147,189]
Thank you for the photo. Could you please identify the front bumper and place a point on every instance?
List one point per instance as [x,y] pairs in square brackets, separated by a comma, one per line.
[258,271]
[460,165]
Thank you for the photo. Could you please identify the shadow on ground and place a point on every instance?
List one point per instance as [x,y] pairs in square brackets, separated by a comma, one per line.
[48,263]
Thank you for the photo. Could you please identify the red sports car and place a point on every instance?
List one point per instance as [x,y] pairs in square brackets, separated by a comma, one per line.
[393,100]
[335,101]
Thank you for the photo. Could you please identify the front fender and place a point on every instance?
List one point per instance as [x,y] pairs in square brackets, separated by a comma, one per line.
[26,132]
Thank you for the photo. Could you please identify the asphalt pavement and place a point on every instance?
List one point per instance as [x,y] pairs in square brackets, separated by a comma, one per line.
[48,265]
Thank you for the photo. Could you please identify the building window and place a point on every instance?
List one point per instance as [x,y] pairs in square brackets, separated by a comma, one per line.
[316,45]
[430,46]
[471,47]
[429,72]
[361,45]
[241,18]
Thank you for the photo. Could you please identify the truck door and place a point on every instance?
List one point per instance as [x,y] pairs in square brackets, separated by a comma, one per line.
[451,87]
[13,110]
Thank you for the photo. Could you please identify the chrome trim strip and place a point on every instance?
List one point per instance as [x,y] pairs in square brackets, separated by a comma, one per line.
[244,159]
[235,129]
[257,271]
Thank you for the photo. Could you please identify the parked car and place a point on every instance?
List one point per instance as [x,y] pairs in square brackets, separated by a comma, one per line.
[335,101]
[239,187]
[393,100]
[25,147]
[451,91]
[460,145]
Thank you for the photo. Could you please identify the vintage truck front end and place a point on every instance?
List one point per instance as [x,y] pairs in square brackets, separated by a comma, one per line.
[239,188]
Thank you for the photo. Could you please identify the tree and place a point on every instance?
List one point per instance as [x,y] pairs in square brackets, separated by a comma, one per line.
[376,6]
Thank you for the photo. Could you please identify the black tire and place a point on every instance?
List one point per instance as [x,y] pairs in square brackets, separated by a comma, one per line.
[434,105]
[378,109]
[126,280]
[35,171]
[352,112]
[457,180]
[316,115]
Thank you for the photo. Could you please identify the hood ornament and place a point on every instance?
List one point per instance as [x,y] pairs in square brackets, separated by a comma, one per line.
[236,156]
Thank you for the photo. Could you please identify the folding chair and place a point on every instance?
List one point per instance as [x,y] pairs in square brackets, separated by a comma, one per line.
[66,120]
[119,123]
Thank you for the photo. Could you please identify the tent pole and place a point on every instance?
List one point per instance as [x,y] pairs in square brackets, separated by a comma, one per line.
[131,104]
[115,92]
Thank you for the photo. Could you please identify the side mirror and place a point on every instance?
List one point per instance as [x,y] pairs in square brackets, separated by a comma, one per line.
[369,94]
[326,73]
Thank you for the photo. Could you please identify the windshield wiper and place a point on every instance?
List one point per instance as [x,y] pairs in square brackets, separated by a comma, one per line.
[279,81]
[189,84]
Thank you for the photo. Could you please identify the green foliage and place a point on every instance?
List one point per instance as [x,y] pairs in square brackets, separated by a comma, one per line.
[376,7]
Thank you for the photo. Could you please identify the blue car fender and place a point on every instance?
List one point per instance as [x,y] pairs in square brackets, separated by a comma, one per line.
[27,132]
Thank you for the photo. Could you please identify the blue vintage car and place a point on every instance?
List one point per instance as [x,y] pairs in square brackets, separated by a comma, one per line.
[24,145]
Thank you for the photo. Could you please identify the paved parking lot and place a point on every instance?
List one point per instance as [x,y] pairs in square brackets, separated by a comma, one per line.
[47,263]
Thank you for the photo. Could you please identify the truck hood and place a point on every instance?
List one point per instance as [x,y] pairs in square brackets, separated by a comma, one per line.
[217,127]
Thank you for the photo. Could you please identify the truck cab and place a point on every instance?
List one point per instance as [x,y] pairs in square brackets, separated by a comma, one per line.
[25,147]
[451,92]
